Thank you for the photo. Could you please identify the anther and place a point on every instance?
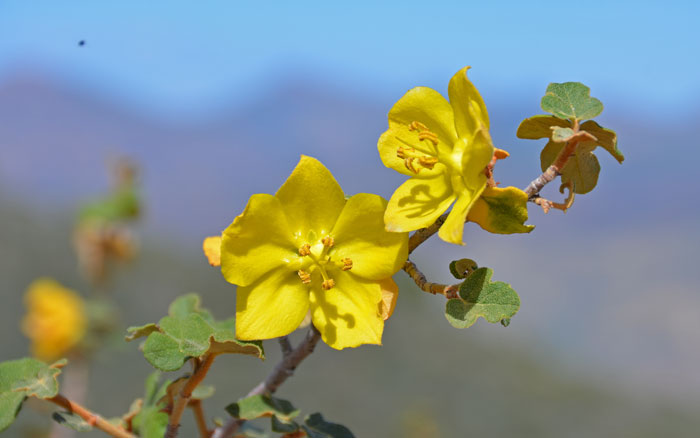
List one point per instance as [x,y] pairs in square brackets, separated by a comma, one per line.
[305,250]
[328,241]
[403,152]
[428,162]
[417,126]
[305,276]
[408,162]
[427,135]
[328,284]
[347,264]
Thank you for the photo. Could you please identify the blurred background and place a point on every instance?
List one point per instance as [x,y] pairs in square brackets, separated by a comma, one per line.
[214,101]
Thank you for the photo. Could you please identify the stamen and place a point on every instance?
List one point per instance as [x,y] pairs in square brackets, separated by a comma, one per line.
[403,152]
[328,284]
[305,276]
[347,264]
[408,162]
[429,136]
[417,126]
[305,250]
[428,162]
[328,241]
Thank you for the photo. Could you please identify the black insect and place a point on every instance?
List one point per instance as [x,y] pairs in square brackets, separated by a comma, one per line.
[81,43]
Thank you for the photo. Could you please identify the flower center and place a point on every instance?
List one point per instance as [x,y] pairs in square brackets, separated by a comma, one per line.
[317,257]
[415,160]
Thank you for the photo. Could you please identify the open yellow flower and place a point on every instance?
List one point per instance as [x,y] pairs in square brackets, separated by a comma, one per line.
[308,248]
[55,321]
[445,148]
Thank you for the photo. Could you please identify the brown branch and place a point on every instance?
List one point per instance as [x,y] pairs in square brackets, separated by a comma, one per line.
[554,170]
[185,394]
[198,411]
[91,418]
[282,371]
[449,291]
[424,234]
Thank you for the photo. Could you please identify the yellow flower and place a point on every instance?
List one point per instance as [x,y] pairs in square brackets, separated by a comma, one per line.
[55,321]
[308,248]
[445,147]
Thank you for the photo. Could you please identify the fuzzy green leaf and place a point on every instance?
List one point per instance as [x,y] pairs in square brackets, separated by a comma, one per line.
[562,135]
[606,138]
[74,421]
[540,126]
[24,378]
[462,268]
[189,331]
[281,426]
[501,211]
[202,392]
[150,422]
[316,427]
[582,169]
[257,406]
[571,100]
[479,297]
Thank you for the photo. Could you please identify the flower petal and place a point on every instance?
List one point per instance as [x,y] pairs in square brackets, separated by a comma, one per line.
[311,198]
[469,109]
[347,315]
[212,250]
[400,136]
[257,241]
[428,107]
[418,202]
[453,228]
[477,155]
[273,306]
[360,236]
[390,293]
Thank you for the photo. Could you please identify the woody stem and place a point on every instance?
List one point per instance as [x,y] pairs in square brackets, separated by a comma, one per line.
[90,417]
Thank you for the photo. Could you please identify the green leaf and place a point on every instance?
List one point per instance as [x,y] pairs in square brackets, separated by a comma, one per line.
[316,427]
[24,378]
[202,392]
[150,422]
[540,126]
[562,135]
[582,169]
[571,100]
[281,426]
[462,268]
[501,211]
[74,421]
[257,406]
[189,331]
[479,297]
[607,139]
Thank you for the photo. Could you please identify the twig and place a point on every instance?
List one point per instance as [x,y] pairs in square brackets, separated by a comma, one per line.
[196,406]
[185,394]
[285,345]
[449,291]
[90,417]
[282,371]
[554,170]
[424,234]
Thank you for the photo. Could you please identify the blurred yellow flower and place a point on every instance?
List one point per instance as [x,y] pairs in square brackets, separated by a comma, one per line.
[55,321]
[308,248]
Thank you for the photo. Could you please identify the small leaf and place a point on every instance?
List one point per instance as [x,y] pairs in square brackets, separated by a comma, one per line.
[571,100]
[140,331]
[150,422]
[22,378]
[479,297]
[189,331]
[281,426]
[501,211]
[74,421]
[257,406]
[582,169]
[562,135]
[462,268]
[607,139]
[202,392]
[316,427]
[540,126]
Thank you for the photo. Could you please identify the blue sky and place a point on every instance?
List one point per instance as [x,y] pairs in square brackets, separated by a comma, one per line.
[189,57]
